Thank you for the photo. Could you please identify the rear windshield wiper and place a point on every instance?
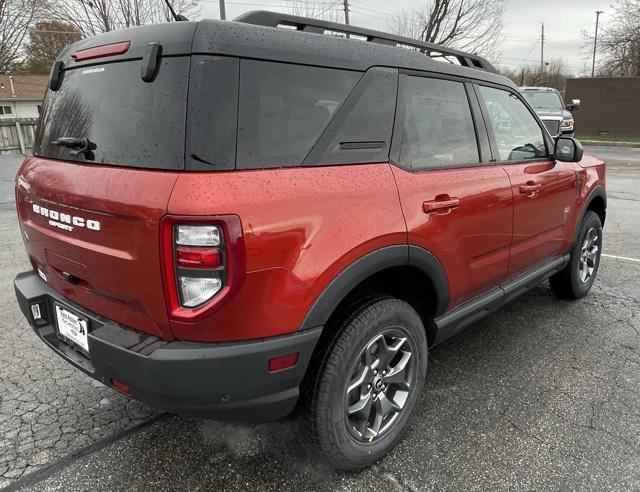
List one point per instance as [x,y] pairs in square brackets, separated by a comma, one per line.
[80,146]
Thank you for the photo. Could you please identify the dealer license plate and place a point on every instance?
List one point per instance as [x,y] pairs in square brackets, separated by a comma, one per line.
[72,327]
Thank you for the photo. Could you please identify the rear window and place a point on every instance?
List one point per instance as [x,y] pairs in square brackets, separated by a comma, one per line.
[438,128]
[131,122]
[283,110]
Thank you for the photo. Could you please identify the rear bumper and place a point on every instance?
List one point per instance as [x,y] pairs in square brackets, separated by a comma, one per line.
[224,380]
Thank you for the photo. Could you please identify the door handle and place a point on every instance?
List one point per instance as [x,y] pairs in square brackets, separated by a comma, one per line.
[442,203]
[530,188]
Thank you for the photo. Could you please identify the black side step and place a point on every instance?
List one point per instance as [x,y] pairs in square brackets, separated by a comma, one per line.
[471,311]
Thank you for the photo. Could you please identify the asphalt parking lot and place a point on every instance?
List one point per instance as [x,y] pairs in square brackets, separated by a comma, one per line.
[544,395]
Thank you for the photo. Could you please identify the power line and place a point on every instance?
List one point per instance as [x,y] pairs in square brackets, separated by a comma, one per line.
[368,14]
[529,52]
[375,10]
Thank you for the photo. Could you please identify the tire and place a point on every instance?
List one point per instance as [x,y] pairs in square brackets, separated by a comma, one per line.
[392,377]
[575,281]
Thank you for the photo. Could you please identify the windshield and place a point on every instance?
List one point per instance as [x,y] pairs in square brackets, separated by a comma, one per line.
[544,100]
[107,114]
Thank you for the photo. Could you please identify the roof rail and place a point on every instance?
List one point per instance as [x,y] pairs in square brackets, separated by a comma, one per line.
[317,26]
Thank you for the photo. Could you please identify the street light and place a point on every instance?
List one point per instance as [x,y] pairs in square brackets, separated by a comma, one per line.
[595,43]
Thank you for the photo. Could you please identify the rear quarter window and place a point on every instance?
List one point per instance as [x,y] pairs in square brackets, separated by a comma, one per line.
[283,110]
[131,122]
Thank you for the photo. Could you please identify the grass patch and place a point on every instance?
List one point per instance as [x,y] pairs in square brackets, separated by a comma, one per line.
[600,138]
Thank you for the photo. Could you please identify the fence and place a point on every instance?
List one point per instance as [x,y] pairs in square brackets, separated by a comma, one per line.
[17,135]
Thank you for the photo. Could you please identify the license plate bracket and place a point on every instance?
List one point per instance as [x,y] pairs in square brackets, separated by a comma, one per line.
[72,328]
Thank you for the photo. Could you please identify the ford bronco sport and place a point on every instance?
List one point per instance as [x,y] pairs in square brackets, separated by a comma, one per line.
[229,219]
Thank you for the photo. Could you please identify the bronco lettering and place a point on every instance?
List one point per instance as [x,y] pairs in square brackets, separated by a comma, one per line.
[59,219]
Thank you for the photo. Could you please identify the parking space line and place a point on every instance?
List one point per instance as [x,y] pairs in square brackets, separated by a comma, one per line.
[622,258]
[45,472]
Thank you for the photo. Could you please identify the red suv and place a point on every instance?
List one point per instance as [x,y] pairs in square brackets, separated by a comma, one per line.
[231,218]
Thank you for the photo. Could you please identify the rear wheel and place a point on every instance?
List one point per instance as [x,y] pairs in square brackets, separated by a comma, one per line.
[575,281]
[368,383]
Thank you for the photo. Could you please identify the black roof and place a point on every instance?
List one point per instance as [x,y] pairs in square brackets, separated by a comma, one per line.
[250,40]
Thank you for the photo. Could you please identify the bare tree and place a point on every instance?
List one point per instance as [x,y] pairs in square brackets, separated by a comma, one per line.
[16,18]
[619,43]
[96,16]
[315,10]
[470,25]
[555,74]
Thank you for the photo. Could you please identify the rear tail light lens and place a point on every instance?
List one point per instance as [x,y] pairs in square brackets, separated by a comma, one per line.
[204,261]
[196,291]
[200,269]
[190,235]
[198,257]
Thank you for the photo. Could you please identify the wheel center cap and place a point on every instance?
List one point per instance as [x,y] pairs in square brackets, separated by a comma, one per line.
[377,383]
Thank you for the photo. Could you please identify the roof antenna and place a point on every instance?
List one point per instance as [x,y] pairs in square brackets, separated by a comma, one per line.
[177,17]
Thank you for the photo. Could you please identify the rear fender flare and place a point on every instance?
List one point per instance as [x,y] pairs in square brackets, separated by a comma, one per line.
[370,264]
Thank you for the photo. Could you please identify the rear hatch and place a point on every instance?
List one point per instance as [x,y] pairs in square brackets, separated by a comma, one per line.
[90,209]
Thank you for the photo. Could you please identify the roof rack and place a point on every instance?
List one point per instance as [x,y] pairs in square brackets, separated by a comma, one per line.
[276,19]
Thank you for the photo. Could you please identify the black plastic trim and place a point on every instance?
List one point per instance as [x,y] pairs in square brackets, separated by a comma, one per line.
[597,192]
[471,311]
[57,74]
[360,131]
[151,62]
[221,380]
[482,132]
[370,264]
[429,264]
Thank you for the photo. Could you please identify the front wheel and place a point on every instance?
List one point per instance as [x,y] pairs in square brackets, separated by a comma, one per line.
[575,281]
[368,384]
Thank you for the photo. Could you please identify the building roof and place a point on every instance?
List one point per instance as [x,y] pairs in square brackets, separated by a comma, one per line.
[24,86]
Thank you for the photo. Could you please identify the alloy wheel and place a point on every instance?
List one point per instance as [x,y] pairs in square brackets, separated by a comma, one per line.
[588,255]
[380,384]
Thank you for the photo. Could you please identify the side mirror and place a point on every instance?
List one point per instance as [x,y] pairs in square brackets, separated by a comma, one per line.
[575,104]
[568,149]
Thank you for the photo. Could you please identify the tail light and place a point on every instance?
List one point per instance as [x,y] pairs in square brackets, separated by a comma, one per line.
[204,263]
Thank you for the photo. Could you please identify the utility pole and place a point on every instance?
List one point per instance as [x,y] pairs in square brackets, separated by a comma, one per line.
[346,11]
[542,50]
[223,12]
[595,43]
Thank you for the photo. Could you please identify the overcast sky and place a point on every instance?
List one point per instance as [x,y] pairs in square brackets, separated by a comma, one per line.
[564,21]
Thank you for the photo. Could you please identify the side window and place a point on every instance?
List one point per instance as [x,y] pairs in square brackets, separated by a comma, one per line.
[438,127]
[517,133]
[284,108]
